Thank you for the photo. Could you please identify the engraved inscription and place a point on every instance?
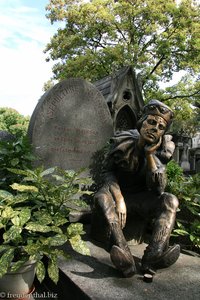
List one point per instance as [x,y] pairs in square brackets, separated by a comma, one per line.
[71,123]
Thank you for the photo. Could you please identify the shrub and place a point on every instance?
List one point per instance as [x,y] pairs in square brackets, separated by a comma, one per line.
[13,122]
[33,220]
[187,190]
[14,154]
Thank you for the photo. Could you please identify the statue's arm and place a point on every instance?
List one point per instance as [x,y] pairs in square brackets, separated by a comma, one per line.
[111,181]
[156,164]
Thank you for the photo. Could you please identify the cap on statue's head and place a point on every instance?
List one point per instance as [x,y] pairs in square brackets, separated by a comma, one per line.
[155,107]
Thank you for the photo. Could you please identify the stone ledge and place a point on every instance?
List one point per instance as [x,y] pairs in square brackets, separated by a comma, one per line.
[96,278]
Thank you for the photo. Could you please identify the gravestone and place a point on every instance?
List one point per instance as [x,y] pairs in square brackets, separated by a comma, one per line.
[69,124]
[6,136]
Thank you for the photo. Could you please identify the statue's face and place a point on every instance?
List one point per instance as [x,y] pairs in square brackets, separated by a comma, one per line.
[153,129]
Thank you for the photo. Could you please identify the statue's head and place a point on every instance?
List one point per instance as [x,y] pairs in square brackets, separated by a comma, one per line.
[155,120]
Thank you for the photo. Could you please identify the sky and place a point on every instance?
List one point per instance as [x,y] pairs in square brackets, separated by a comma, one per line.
[24,33]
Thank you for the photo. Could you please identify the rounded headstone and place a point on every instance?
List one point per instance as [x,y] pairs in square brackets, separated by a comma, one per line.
[69,124]
[6,136]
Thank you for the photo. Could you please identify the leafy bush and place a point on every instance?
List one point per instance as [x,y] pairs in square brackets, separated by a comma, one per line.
[14,154]
[33,220]
[13,122]
[187,190]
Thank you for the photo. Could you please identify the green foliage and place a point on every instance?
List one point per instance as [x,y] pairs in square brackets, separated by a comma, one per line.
[175,177]
[13,122]
[183,99]
[157,38]
[14,154]
[187,190]
[100,36]
[33,219]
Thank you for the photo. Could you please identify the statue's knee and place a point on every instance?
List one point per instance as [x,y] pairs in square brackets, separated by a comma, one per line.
[102,200]
[170,201]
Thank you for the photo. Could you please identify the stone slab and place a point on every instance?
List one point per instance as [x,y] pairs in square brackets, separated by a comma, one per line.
[69,124]
[97,278]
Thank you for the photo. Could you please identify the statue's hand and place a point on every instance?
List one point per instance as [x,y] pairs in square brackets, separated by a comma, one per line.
[119,202]
[150,149]
[121,212]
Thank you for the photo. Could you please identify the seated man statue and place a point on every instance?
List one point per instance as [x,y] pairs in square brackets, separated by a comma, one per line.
[135,180]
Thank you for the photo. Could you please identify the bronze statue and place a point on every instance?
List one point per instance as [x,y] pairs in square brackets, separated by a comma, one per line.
[135,180]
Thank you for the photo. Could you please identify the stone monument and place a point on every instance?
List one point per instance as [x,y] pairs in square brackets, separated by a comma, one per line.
[69,124]
[6,136]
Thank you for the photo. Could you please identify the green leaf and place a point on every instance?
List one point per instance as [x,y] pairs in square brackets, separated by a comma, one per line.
[58,219]
[24,215]
[74,229]
[32,249]
[14,162]
[56,240]
[5,261]
[5,195]
[56,229]
[43,217]
[20,172]
[16,221]
[40,271]
[181,232]
[12,234]
[4,247]
[47,172]
[53,271]
[24,188]
[18,264]
[33,226]
[58,178]
[8,213]
[79,245]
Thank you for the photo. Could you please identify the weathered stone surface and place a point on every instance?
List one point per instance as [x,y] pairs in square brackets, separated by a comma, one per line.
[6,136]
[69,124]
[95,277]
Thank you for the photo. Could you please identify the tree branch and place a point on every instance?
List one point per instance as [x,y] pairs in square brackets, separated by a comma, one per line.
[182,96]
[154,68]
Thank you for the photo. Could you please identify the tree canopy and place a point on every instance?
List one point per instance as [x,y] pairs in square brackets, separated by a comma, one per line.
[158,38]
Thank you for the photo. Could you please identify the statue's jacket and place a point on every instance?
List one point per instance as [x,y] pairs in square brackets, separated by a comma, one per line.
[126,165]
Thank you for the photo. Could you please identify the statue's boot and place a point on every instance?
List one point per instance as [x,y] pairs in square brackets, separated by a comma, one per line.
[158,254]
[165,260]
[120,253]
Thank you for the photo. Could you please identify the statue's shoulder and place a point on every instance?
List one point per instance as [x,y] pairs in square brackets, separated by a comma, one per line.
[167,148]
[124,136]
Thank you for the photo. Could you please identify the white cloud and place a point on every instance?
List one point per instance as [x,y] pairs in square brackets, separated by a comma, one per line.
[24,32]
